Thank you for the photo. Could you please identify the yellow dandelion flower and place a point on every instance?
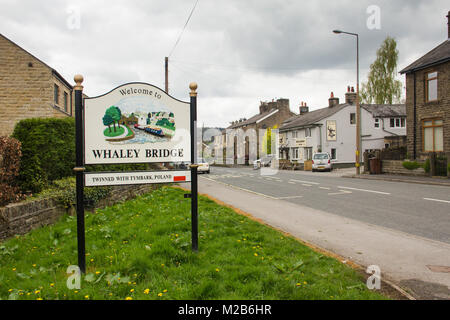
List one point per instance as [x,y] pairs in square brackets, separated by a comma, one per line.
[97,272]
[10,290]
[37,292]
[34,265]
[165,290]
[128,298]
[160,294]
[255,254]
[217,269]
[13,269]
[299,284]
[39,299]
[52,285]
[86,297]
[92,260]
[132,290]
[146,291]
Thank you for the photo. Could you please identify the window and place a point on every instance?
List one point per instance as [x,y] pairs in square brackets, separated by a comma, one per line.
[377,123]
[352,118]
[294,153]
[56,94]
[433,135]
[308,153]
[294,134]
[333,154]
[397,122]
[308,132]
[431,86]
[65,101]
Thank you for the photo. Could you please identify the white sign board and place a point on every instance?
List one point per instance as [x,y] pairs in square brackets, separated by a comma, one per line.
[97,179]
[136,123]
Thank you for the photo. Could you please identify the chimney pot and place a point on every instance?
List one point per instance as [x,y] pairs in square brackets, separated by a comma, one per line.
[353,89]
[332,94]
[348,88]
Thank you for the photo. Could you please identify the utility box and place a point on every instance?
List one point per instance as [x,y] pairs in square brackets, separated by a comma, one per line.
[308,165]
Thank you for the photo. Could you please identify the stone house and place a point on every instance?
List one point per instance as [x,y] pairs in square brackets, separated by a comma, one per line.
[29,88]
[428,101]
[333,130]
[242,141]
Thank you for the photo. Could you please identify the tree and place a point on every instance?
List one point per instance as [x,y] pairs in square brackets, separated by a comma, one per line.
[115,115]
[107,121]
[381,86]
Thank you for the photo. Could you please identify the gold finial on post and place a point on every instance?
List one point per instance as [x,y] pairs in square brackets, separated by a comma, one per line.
[78,80]
[193,87]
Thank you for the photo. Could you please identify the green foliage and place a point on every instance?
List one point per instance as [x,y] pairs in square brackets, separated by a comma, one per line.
[381,86]
[10,153]
[411,165]
[426,166]
[48,151]
[64,191]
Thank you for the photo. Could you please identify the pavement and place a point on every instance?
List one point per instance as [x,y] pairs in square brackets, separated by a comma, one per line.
[412,250]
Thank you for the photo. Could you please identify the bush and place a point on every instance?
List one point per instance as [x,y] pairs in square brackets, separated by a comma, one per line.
[426,166]
[10,154]
[65,192]
[48,151]
[411,165]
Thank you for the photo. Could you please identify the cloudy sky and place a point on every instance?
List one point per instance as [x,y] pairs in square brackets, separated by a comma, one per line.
[240,52]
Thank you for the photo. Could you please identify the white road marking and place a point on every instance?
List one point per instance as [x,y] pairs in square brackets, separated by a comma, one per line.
[301,181]
[338,193]
[364,190]
[291,197]
[437,200]
[291,182]
[324,188]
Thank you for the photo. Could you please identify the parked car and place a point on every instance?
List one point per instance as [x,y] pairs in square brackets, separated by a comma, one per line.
[203,166]
[263,162]
[321,161]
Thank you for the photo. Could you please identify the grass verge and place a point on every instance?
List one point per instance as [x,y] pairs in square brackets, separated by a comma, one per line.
[140,249]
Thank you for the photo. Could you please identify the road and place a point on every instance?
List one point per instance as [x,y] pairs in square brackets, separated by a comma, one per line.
[401,227]
[421,210]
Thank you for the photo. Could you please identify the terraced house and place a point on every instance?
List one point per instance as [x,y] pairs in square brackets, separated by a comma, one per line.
[333,130]
[428,101]
[29,88]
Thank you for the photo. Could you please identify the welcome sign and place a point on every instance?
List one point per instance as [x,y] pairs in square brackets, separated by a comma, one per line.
[136,123]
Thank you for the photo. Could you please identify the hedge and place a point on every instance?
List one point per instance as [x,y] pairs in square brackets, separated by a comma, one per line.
[9,169]
[48,151]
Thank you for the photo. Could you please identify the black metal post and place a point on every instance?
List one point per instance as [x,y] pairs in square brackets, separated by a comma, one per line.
[79,171]
[194,185]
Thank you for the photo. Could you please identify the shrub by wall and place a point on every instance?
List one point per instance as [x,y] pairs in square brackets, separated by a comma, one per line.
[10,154]
[48,151]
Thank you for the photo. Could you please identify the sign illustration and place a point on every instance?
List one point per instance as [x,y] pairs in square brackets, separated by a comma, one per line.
[136,123]
[331,130]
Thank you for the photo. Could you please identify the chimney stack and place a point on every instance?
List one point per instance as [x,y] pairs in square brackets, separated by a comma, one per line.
[333,101]
[303,108]
[350,96]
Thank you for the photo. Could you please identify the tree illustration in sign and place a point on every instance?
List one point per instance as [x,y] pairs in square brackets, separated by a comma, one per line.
[111,117]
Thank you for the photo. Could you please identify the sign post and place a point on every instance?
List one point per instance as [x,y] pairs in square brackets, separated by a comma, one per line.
[194,166]
[79,170]
[134,123]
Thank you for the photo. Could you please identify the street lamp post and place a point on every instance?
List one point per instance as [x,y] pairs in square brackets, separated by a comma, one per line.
[358,109]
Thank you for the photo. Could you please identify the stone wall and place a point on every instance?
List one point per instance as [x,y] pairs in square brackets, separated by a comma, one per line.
[396,167]
[22,217]
[27,88]
[439,109]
